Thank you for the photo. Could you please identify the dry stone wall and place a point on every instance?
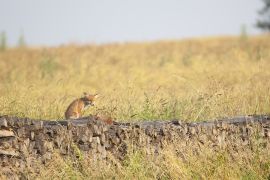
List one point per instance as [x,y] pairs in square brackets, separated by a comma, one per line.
[26,142]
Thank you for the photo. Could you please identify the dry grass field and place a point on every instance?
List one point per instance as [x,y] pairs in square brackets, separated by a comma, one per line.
[191,80]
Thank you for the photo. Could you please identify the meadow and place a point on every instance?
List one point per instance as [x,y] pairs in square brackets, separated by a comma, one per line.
[191,80]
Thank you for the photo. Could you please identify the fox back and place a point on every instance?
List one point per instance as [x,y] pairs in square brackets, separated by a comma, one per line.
[75,109]
[106,119]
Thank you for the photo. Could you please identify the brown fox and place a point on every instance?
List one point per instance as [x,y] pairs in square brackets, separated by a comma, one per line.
[106,119]
[74,110]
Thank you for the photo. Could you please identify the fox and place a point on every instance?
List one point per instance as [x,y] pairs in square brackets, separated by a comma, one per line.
[106,119]
[75,109]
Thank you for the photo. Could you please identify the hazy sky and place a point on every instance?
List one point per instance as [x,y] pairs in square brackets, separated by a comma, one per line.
[54,22]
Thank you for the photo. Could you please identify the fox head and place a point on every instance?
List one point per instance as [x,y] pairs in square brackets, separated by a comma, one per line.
[89,99]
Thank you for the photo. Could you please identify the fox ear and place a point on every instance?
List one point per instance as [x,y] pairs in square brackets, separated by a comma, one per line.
[96,95]
[85,94]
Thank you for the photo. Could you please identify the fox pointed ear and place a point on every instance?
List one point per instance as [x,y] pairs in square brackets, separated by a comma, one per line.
[96,95]
[85,94]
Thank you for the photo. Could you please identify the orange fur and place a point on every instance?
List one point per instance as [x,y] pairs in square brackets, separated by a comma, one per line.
[105,119]
[75,109]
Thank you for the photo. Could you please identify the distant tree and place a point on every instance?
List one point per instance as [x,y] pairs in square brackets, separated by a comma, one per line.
[243,32]
[21,41]
[3,41]
[264,23]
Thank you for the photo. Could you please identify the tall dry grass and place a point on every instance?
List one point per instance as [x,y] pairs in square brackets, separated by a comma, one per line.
[190,80]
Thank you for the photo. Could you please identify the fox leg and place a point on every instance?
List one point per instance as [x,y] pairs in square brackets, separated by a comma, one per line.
[75,115]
